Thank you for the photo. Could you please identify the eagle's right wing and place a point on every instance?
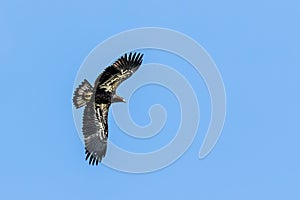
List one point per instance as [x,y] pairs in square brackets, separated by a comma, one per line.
[118,72]
[95,131]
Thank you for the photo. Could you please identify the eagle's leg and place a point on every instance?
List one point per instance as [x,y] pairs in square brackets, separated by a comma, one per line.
[117,98]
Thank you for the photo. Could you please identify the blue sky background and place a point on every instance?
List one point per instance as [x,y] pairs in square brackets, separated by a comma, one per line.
[255,45]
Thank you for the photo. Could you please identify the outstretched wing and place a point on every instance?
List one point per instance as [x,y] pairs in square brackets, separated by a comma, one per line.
[95,131]
[122,69]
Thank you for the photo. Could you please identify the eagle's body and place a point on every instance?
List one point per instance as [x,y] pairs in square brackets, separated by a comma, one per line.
[97,101]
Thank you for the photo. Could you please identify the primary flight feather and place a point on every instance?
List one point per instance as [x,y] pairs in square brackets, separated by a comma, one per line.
[97,100]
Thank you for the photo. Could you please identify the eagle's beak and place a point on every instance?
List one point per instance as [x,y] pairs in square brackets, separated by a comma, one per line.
[117,98]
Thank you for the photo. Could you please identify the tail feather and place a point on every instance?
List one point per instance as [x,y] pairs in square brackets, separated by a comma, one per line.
[82,94]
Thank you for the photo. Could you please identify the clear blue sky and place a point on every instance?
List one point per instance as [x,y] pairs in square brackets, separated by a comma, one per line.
[255,45]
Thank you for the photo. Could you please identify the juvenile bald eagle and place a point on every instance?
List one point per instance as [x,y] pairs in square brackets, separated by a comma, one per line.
[97,100]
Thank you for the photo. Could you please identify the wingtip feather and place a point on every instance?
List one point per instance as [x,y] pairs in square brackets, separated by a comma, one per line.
[131,60]
[92,159]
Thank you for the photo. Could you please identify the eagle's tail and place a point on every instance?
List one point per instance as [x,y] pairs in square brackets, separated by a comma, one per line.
[82,94]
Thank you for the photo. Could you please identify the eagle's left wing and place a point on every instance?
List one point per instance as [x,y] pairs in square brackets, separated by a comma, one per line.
[95,131]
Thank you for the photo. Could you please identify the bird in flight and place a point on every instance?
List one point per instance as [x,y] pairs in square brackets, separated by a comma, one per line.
[97,101]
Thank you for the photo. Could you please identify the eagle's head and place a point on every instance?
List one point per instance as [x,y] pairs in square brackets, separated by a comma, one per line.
[116,99]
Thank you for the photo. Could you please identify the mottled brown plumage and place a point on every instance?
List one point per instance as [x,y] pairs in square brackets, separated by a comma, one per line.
[97,101]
